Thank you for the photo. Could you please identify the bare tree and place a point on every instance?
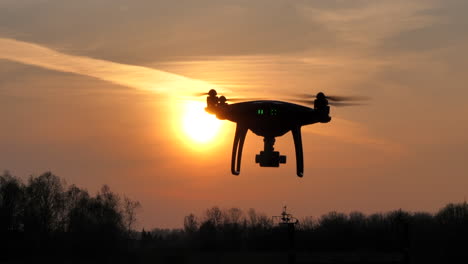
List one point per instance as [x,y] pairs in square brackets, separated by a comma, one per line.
[253,217]
[11,202]
[233,216]
[129,212]
[307,223]
[264,221]
[214,215]
[45,204]
[190,224]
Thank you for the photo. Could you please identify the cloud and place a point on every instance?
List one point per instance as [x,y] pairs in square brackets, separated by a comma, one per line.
[141,78]
[146,31]
[354,133]
[140,32]
[368,24]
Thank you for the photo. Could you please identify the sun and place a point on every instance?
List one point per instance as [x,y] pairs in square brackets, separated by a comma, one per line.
[198,125]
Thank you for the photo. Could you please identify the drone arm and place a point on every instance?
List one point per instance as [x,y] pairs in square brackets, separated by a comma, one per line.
[299,154]
[237,147]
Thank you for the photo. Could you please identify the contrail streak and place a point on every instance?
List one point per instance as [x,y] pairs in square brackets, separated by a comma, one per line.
[138,77]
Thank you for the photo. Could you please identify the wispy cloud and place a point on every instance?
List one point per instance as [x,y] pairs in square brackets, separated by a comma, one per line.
[138,77]
[371,24]
[354,133]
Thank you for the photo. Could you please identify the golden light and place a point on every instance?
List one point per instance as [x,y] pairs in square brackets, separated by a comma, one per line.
[197,124]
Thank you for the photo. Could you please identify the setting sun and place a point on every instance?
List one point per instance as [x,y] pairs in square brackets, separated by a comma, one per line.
[197,124]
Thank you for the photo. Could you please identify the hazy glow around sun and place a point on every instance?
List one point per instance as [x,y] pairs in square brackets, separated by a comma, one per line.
[197,124]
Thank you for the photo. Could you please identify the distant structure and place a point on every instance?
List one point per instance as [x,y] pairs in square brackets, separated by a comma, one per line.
[288,222]
[285,218]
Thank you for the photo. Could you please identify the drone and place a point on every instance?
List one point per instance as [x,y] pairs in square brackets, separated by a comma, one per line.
[271,119]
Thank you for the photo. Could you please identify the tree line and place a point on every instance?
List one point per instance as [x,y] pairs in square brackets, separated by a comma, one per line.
[236,229]
[45,216]
[439,237]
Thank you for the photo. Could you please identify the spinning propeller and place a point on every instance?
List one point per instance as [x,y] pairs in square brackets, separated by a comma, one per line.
[334,100]
[235,99]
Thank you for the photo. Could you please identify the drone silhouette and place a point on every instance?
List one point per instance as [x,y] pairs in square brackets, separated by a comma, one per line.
[270,119]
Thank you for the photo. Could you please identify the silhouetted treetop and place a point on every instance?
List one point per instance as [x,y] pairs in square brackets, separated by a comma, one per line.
[45,209]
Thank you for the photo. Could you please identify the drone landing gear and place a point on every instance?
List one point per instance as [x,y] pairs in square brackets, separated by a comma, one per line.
[268,157]
[299,153]
[239,138]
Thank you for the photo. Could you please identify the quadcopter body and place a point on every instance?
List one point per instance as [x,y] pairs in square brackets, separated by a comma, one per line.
[268,119]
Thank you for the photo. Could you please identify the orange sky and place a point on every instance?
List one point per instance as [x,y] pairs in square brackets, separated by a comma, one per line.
[96,92]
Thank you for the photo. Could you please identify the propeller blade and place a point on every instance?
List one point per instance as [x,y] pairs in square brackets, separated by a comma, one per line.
[337,98]
[311,102]
[199,94]
[335,104]
[347,98]
[305,95]
[338,104]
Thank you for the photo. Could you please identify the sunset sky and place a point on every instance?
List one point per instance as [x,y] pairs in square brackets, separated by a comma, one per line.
[99,92]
